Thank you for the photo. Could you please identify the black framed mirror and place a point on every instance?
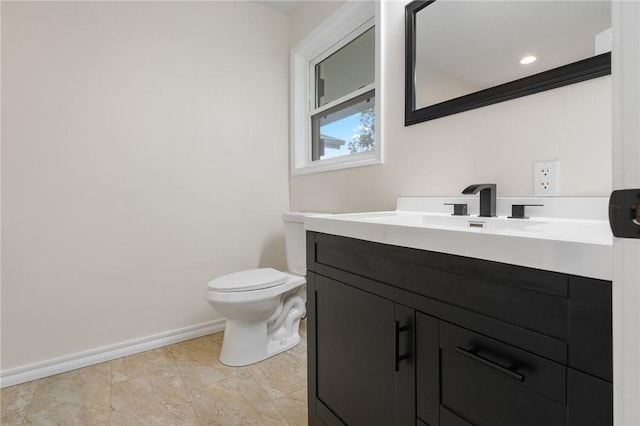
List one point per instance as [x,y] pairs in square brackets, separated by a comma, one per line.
[461,55]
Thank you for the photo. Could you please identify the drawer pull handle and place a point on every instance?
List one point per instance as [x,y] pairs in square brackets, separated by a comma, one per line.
[396,347]
[507,371]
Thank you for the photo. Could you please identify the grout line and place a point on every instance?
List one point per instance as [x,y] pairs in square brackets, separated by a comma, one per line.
[35,391]
[186,389]
[280,412]
[266,394]
[110,391]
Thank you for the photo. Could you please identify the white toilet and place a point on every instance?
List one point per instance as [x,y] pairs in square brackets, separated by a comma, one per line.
[263,307]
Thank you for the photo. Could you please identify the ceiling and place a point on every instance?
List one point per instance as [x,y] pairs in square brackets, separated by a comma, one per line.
[282,6]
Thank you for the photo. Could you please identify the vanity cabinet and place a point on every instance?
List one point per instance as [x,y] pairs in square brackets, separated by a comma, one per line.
[362,383]
[411,337]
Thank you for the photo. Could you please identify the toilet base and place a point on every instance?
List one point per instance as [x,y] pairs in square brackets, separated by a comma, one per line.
[260,323]
[247,343]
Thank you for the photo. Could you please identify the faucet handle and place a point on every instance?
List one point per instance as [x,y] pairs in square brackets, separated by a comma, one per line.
[517,210]
[458,209]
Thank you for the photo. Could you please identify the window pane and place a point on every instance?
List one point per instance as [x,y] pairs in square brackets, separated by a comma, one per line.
[346,70]
[345,129]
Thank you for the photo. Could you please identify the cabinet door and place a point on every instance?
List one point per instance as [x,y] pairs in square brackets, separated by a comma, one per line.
[427,369]
[357,354]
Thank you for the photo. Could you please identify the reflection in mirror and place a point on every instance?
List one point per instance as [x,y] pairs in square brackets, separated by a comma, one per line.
[466,54]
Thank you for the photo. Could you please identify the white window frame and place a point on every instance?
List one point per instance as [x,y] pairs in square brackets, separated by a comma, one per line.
[351,19]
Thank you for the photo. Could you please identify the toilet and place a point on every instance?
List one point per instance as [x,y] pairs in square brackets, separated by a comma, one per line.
[263,307]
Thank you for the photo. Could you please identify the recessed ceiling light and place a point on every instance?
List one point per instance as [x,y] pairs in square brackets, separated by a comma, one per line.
[527,60]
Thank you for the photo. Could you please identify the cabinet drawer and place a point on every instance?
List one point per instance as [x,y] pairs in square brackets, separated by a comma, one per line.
[488,382]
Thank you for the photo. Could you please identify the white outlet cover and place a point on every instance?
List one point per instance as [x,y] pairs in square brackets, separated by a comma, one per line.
[546,178]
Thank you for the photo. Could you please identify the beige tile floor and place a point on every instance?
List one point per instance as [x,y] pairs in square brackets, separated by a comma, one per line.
[182,384]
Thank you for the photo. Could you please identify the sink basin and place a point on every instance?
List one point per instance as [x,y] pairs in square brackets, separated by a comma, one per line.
[448,221]
[578,246]
[587,231]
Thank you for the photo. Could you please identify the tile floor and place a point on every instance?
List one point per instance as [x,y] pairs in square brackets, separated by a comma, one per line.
[182,384]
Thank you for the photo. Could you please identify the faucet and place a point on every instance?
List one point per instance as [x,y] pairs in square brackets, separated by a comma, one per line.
[487,197]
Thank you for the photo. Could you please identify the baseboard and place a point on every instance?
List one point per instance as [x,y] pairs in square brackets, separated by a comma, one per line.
[63,364]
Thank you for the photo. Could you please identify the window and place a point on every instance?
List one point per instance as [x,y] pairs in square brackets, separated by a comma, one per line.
[345,129]
[334,93]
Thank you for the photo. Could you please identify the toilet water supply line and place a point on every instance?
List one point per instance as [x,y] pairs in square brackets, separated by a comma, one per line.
[286,314]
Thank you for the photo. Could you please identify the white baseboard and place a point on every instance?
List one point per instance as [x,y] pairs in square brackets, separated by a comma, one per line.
[47,368]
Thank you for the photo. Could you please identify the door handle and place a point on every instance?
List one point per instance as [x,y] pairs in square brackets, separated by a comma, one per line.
[396,347]
[510,371]
[624,213]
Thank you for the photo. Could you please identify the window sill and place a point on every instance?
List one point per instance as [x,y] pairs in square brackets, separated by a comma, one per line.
[340,163]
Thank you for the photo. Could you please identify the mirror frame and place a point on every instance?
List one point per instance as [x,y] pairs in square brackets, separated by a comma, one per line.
[596,66]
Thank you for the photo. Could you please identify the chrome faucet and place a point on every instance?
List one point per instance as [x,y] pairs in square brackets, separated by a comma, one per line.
[487,197]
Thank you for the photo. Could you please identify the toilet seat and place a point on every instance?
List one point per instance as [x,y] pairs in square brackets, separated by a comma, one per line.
[252,279]
[292,281]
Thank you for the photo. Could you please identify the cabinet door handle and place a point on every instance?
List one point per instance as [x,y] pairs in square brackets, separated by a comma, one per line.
[396,355]
[510,371]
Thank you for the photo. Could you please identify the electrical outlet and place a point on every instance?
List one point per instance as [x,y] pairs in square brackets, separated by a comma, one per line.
[546,178]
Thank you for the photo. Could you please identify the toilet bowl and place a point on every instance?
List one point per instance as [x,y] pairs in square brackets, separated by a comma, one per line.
[263,307]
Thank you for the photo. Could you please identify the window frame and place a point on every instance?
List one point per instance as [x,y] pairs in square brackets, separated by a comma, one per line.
[343,26]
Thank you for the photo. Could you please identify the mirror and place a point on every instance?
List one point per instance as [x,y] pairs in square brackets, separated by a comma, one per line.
[461,55]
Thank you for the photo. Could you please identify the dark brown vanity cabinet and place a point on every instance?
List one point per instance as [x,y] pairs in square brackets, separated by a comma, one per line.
[400,336]
[358,378]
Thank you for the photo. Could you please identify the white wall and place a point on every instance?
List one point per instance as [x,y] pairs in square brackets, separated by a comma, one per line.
[308,15]
[144,153]
[498,143]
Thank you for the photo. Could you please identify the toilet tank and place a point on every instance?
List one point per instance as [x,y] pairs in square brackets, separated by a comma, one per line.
[295,241]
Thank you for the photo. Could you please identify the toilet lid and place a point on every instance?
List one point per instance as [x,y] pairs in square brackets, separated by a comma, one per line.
[252,279]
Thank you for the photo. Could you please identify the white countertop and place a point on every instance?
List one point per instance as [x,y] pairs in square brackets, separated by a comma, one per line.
[552,240]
